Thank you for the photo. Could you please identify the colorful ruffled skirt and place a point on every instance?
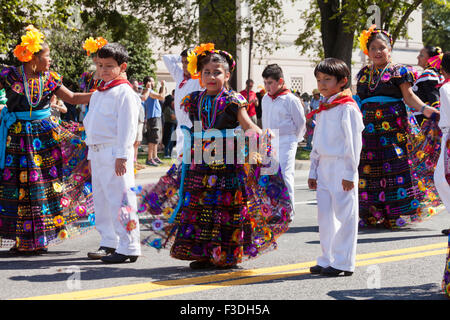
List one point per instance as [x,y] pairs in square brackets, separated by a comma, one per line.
[221,213]
[45,191]
[446,280]
[396,168]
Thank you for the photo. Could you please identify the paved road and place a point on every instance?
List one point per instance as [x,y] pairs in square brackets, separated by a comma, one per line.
[400,265]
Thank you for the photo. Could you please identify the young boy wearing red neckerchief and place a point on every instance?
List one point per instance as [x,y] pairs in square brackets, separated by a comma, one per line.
[283,114]
[337,144]
[111,127]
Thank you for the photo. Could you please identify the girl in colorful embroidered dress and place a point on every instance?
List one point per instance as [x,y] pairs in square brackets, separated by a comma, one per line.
[224,211]
[397,163]
[44,185]
[425,87]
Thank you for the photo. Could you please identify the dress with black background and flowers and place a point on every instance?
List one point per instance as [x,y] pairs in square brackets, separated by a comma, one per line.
[228,212]
[398,158]
[45,190]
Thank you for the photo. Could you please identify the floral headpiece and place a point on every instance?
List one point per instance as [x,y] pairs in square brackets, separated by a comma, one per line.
[92,45]
[202,50]
[31,44]
[366,34]
[435,61]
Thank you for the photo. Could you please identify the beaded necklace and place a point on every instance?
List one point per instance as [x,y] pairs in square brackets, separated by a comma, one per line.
[29,94]
[371,78]
[211,109]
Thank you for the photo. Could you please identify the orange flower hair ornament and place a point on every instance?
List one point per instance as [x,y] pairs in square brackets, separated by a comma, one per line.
[92,45]
[366,34]
[31,44]
[202,50]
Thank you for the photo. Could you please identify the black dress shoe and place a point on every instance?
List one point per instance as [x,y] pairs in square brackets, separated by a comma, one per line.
[201,264]
[332,272]
[316,269]
[118,258]
[101,252]
[446,232]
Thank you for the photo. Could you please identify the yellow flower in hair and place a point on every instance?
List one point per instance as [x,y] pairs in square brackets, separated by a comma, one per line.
[192,65]
[32,40]
[364,37]
[90,45]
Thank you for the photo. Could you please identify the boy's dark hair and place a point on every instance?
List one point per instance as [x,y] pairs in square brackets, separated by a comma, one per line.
[114,50]
[334,67]
[273,71]
[185,52]
[147,79]
[445,63]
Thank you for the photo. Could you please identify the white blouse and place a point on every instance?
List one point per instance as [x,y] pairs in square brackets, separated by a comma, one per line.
[338,133]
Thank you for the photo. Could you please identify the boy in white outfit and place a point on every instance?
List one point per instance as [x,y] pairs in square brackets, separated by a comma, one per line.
[111,127]
[441,174]
[335,158]
[184,85]
[283,114]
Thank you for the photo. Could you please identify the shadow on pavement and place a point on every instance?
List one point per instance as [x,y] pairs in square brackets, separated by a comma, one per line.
[429,291]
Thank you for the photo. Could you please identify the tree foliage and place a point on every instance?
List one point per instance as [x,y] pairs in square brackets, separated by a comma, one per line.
[436,23]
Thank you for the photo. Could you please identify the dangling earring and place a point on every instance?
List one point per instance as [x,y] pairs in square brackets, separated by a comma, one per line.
[34,67]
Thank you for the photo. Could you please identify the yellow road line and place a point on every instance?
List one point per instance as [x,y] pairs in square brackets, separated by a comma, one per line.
[270,277]
[232,278]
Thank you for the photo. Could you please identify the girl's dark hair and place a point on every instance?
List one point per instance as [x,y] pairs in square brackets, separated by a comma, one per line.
[334,67]
[114,50]
[273,71]
[381,36]
[202,61]
[445,63]
[432,51]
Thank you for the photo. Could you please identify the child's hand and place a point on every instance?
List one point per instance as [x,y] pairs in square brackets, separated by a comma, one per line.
[121,167]
[312,184]
[347,185]
[89,167]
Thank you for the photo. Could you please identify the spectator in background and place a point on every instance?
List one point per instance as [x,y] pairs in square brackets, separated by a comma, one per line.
[170,125]
[259,95]
[250,95]
[153,118]
[141,122]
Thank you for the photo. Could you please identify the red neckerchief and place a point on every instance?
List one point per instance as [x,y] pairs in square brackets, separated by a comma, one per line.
[444,82]
[112,84]
[183,82]
[282,92]
[343,98]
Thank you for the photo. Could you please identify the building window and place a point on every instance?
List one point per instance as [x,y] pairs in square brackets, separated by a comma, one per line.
[297,84]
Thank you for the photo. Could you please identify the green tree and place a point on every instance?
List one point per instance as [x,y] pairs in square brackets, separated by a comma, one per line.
[436,24]
[339,22]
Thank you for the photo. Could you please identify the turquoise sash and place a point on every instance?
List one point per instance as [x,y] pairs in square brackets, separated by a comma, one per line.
[379,99]
[7,119]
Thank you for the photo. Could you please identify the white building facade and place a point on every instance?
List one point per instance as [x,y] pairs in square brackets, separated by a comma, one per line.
[298,69]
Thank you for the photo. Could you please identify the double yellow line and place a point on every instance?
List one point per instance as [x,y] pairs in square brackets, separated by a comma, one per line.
[158,289]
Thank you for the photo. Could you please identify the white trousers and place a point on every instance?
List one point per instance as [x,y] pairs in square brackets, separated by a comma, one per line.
[337,216]
[109,192]
[439,177]
[286,149]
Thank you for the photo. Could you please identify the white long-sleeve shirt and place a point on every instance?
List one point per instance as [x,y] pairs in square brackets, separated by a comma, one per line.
[444,94]
[284,113]
[173,65]
[338,133]
[113,118]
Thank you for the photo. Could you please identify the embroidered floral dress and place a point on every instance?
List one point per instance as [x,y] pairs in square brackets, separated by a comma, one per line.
[45,193]
[397,160]
[228,212]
